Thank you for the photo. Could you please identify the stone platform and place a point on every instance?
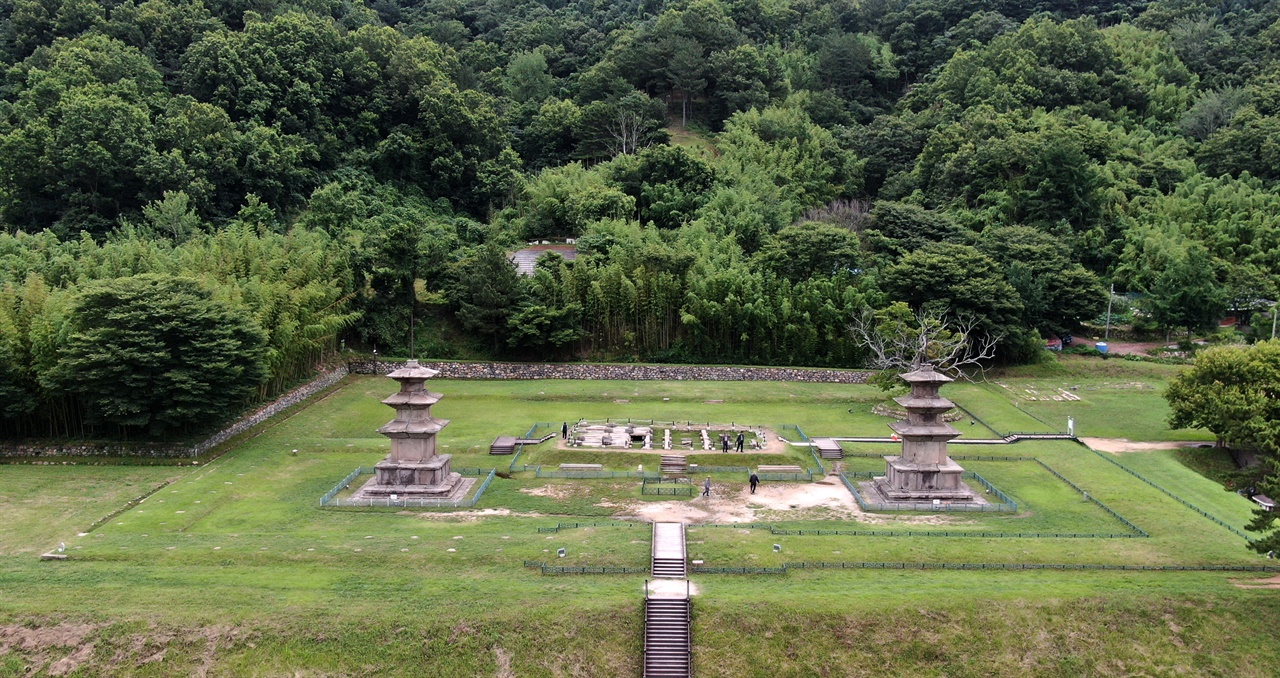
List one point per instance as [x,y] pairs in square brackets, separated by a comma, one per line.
[872,492]
[458,490]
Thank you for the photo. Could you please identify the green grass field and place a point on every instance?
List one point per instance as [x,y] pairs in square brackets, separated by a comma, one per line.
[234,569]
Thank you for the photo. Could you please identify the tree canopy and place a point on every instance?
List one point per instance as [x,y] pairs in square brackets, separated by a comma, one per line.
[740,179]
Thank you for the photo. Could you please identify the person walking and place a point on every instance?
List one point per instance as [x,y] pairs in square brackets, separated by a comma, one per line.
[706,487]
[754,480]
[564,431]
[741,440]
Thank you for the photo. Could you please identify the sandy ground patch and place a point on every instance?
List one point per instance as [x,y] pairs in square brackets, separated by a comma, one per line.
[471,516]
[734,503]
[1117,445]
[671,588]
[1268,583]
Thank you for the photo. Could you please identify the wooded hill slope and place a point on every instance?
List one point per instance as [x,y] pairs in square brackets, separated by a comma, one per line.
[316,172]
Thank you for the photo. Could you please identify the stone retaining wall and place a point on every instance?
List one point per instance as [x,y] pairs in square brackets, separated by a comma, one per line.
[451,370]
[241,425]
[461,370]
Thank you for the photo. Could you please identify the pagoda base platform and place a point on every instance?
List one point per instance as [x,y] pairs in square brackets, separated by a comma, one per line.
[454,488]
[428,479]
[873,492]
[916,482]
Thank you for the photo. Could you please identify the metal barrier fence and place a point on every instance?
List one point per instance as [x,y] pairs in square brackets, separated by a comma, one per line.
[978,419]
[786,567]
[799,433]
[538,472]
[986,535]
[667,486]
[807,476]
[584,569]
[607,523]
[959,457]
[531,433]
[1009,506]
[718,469]
[328,498]
[1093,500]
[817,460]
[702,569]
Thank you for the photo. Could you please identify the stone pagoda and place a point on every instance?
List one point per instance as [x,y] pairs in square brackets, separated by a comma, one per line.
[924,472]
[414,470]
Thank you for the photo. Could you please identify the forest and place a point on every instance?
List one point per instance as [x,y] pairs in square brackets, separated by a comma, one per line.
[201,200]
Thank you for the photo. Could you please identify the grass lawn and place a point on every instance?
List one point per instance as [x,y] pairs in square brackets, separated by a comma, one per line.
[234,568]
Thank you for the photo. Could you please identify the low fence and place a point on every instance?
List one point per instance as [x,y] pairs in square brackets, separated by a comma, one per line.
[957,457]
[530,434]
[807,476]
[955,533]
[581,474]
[1006,505]
[1093,500]
[584,569]
[698,468]
[799,434]
[330,498]
[787,567]
[675,487]
[817,460]
[1175,497]
[606,523]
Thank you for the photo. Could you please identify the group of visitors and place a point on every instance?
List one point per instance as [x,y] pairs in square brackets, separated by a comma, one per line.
[725,441]
[754,480]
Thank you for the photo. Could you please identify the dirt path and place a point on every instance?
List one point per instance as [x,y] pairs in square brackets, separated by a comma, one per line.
[734,503]
[1268,583]
[1124,347]
[1117,445]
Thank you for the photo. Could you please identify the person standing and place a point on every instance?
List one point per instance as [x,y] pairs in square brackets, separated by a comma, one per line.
[724,443]
[754,480]
[564,431]
[706,487]
[741,440]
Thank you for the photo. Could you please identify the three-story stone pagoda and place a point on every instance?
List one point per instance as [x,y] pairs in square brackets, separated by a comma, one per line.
[414,470]
[924,472]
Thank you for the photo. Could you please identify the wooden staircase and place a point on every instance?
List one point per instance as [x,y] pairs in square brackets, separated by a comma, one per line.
[828,448]
[674,465]
[667,610]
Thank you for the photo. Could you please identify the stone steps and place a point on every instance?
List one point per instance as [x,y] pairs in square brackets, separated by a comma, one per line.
[674,465]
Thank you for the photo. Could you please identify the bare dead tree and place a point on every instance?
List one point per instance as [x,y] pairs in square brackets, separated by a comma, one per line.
[850,214]
[905,342]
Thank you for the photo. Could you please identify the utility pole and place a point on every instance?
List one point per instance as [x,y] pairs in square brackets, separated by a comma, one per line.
[1274,307]
[1106,336]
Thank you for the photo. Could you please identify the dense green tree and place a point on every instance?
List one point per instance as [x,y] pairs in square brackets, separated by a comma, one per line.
[1057,294]
[1231,392]
[957,279]
[528,79]
[898,228]
[1187,293]
[157,354]
[668,183]
[486,292]
[810,249]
